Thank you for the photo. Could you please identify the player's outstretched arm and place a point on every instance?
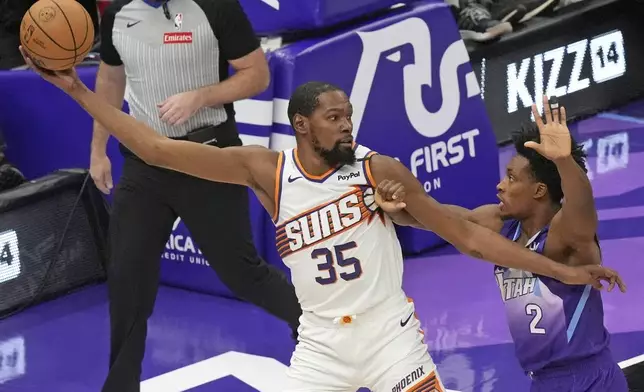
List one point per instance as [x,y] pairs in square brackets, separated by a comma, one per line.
[390,196]
[578,216]
[252,166]
[476,240]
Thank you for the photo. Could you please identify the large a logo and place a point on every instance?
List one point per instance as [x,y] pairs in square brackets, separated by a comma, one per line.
[415,32]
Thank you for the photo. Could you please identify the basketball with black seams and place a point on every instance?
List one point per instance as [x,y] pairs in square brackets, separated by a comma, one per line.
[57,34]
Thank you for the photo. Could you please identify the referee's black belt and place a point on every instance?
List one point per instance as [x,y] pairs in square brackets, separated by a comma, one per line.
[222,135]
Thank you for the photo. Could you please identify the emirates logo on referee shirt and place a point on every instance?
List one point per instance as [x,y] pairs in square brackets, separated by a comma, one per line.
[178,38]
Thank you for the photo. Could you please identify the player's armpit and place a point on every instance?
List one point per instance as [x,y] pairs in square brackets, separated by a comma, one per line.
[467,237]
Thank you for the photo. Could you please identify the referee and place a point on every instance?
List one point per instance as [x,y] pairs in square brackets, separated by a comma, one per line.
[174,56]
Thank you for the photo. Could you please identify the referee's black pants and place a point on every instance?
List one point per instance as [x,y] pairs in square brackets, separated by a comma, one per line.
[2,143]
[147,200]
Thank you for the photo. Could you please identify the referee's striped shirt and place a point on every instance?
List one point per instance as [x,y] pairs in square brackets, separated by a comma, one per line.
[168,50]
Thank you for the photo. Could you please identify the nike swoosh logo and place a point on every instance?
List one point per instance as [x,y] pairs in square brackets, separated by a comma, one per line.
[403,323]
[129,24]
[290,179]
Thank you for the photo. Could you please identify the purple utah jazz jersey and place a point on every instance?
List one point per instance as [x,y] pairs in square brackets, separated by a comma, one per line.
[551,323]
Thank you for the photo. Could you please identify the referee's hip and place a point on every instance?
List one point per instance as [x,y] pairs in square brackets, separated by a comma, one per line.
[221,135]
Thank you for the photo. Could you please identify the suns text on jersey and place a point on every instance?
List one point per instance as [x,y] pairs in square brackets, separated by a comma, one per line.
[322,222]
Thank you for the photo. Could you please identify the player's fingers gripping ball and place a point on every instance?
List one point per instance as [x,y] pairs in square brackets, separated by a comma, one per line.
[57,34]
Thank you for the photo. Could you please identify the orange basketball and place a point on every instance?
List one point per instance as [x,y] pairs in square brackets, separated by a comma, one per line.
[57,34]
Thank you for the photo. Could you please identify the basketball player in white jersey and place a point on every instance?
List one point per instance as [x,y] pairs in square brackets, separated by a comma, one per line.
[358,327]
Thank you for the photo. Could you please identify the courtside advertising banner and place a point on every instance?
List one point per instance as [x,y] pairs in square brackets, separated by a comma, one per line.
[592,61]
[415,98]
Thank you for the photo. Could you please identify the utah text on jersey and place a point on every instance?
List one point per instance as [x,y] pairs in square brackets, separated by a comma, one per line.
[515,283]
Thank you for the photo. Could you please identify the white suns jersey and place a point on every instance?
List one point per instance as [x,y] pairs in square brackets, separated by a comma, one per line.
[342,251]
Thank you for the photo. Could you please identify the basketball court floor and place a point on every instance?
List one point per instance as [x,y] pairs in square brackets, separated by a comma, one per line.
[198,342]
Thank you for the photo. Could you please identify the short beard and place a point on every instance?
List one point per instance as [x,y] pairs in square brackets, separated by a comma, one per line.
[337,156]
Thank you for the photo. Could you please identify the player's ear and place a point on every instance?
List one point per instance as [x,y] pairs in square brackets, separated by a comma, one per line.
[540,190]
[300,124]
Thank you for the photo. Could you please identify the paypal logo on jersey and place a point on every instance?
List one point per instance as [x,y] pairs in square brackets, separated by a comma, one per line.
[415,97]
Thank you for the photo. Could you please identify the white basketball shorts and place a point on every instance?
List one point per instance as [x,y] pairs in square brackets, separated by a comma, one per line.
[382,349]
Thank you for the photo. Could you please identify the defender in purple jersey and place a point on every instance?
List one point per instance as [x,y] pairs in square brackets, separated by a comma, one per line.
[547,206]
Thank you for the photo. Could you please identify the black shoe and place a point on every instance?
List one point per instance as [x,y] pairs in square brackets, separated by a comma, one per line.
[475,22]
[10,177]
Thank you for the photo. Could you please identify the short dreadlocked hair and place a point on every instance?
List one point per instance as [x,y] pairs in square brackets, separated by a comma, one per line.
[305,98]
[544,170]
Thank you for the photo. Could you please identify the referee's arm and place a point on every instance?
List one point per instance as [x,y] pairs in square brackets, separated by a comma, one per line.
[110,84]
[239,47]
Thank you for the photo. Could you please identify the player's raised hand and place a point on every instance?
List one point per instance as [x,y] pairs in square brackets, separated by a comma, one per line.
[390,196]
[594,275]
[65,80]
[555,141]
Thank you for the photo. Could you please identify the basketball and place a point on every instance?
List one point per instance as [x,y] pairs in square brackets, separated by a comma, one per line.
[57,34]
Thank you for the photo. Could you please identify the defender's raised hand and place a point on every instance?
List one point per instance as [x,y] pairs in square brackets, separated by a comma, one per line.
[594,275]
[555,140]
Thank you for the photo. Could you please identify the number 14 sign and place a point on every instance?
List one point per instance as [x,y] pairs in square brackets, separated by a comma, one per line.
[9,256]
[607,54]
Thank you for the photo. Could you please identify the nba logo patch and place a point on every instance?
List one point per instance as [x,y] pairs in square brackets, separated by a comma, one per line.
[178,21]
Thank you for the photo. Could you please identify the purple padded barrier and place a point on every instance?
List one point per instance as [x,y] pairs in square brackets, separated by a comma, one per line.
[272,17]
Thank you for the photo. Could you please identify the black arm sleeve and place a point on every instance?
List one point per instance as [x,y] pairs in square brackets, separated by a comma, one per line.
[109,54]
[92,10]
[231,26]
